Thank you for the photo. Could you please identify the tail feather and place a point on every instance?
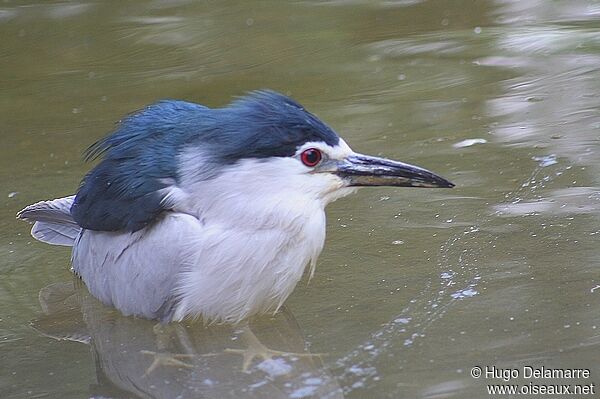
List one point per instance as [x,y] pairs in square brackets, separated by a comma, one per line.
[55,211]
[53,223]
[55,234]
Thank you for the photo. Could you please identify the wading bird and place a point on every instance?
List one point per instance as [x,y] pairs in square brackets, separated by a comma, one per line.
[211,213]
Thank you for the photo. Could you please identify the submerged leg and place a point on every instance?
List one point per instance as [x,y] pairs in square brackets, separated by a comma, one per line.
[256,349]
[163,357]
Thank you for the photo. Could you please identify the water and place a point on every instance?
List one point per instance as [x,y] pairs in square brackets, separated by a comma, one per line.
[414,287]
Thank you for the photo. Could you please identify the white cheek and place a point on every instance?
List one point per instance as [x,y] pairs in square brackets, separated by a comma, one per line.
[330,187]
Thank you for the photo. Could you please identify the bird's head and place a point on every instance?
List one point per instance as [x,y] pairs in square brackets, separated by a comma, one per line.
[267,137]
[264,144]
[296,147]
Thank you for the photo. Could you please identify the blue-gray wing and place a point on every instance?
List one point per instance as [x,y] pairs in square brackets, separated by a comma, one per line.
[124,192]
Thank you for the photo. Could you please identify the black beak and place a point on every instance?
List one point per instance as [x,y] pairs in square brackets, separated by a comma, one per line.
[365,170]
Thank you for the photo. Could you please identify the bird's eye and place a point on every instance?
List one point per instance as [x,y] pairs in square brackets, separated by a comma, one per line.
[311,157]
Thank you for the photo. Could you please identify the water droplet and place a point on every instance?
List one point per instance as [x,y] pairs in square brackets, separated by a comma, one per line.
[546,160]
[469,143]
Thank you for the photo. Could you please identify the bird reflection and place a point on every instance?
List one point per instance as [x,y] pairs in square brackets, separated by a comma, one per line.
[140,358]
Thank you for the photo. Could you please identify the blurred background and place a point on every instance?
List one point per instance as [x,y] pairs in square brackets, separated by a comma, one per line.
[414,287]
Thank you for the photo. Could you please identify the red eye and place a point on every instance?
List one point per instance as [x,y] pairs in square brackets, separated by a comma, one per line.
[311,157]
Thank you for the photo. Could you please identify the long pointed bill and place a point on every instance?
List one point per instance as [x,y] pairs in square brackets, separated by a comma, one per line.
[365,170]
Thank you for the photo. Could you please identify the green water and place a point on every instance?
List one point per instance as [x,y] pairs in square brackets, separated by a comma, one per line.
[414,287]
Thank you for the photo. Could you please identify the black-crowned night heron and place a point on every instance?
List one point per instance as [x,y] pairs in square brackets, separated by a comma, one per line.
[212,213]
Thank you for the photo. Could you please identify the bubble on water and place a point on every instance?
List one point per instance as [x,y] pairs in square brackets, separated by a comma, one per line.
[304,392]
[313,381]
[258,384]
[467,293]
[546,160]
[275,367]
[469,143]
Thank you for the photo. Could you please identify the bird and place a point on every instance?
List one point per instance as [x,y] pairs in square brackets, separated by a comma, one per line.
[209,213]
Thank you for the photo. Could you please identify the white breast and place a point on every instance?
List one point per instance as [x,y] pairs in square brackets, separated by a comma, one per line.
[255,242]
[239,271]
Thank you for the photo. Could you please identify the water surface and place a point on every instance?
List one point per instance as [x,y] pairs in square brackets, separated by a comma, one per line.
[414,287]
